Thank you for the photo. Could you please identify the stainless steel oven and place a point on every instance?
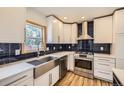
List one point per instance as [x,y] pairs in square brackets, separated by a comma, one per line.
[84,65]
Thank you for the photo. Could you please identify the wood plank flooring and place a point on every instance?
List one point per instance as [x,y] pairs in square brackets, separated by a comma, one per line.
[72,79]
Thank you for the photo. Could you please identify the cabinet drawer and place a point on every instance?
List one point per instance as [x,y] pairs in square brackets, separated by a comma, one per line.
[104,65]
[16,79]
[107,60]
[27,82]
[106,75]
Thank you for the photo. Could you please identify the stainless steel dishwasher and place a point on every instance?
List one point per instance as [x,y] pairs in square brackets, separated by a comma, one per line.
[63,66]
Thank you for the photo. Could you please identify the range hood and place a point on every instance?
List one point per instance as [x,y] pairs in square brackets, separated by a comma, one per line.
[84,35]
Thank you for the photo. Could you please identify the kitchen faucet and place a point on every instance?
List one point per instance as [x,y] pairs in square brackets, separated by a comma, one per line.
[38,49]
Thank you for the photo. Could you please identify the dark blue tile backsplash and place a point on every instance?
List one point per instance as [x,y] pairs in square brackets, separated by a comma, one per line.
[62,47]
[7,52]
[4,50]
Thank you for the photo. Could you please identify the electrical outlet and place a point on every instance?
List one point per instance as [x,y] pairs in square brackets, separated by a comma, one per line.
[54,48]
[17,52]
[47,48]
[101,48]
[60,47]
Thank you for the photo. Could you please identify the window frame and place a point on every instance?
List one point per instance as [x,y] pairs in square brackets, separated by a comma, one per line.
[43,37]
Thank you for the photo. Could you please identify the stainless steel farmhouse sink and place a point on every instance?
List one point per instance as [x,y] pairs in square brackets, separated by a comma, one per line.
[42,60]
[40,68]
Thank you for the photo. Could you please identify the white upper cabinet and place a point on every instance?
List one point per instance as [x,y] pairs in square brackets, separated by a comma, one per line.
[74,33]
[58,32]
[12,24]
[61,36]
[67,33]
[118,21]
[103,30]
[70,33]
[54,30]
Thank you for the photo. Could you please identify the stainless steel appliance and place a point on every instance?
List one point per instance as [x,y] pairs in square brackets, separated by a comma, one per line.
[63,66]
[84,64]
[43,65]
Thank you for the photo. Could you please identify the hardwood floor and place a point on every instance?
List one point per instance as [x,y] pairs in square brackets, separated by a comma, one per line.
[72,79]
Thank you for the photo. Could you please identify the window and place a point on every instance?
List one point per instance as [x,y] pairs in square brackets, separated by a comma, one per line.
[33,37]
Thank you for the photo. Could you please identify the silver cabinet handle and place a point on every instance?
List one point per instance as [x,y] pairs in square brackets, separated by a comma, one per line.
[104,59]
[50,79]
[103,64]
[16,80]
[104,72]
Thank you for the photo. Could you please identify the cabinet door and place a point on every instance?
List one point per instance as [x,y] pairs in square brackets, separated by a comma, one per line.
[118,21]
[74,33]
[61,33]
[42,80]
[12,23]
[103,30]
[71,62]
[120,63]
[55,31]
[49,30]
[55,75]
[119,42]
[67,33]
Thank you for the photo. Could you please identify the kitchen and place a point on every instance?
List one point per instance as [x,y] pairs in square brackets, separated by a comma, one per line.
[44,46]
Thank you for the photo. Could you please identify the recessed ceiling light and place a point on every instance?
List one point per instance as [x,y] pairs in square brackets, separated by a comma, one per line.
[82,17]
[65,17]
[54,21]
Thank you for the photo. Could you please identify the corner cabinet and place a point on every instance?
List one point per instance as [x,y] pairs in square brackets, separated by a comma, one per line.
[49,78]
[12,23]
[58,32]
[70,33]
[103,30]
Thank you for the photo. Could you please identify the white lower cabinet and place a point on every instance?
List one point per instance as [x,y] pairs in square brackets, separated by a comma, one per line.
[70,62]
[103,68]
[49,78]
[22,79]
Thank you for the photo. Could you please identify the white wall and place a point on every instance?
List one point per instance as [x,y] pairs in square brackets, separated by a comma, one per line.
[12,23]
[36,16]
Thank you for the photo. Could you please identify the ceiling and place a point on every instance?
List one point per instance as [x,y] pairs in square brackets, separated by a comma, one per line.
[74,14]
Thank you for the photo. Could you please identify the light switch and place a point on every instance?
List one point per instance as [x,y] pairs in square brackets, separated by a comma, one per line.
[17,52]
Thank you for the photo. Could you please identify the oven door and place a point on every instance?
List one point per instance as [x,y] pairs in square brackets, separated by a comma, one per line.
[84,64]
